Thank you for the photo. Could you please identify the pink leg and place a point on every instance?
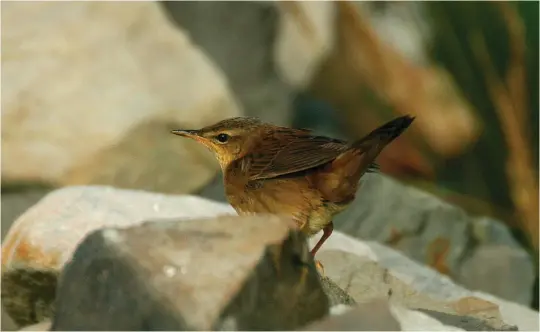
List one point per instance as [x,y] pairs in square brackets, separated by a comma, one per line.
[327,231]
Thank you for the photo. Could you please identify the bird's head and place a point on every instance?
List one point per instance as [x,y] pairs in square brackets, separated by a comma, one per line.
[228,139]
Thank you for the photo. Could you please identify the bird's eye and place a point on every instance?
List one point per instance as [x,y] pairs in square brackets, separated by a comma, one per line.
[222,138]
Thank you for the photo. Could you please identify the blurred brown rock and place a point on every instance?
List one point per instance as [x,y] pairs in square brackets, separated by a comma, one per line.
[91,89]
[239,273]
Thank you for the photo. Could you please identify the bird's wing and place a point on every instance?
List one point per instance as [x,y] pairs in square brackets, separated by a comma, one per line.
[288,152]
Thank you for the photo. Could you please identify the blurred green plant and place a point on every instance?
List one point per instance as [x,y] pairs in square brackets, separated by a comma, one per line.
[491,50]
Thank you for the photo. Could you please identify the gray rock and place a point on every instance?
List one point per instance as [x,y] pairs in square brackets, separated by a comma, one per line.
[366,280]
[424,287]
[438,234]
[240,273]
[374,315]
[466,323]
[489,231]
[335,294]
[432,232]
[501,270]
[45,236]
[243,50]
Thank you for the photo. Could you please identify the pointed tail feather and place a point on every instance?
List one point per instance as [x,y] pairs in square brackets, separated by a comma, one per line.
[385,133]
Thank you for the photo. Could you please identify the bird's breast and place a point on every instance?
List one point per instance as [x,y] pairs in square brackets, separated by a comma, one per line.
[291,196]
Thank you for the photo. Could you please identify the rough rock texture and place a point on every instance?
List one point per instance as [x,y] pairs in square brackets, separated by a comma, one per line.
[422,299]
[336,295]
[45,236]
[435,233]
[93,91]
[240,273]
[440,235]
[365,280]
[244,50]
[13,205]
[43,239]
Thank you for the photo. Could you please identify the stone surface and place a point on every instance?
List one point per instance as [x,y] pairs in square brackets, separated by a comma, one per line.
[45,236]
[376,269]
[15,203]
[115,84]
[336,295]
[71,213]
[247,61]
[433,232]
[366,280]
[440,235]
[43,239]
[241,273]
[374,315]
[505,264]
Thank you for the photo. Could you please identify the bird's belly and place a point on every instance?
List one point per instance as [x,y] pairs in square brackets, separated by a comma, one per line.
[290,197]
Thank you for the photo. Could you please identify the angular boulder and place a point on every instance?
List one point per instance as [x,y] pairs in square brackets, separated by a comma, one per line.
[239,273]
[44,238]
[421,298]
[440,235]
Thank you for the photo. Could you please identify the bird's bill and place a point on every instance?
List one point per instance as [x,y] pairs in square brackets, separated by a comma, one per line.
[193,134]
[185,133]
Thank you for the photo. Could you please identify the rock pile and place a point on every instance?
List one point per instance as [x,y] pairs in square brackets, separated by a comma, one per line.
[90,257]
[479,253]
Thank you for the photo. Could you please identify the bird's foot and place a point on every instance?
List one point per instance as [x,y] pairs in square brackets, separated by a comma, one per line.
[320,267]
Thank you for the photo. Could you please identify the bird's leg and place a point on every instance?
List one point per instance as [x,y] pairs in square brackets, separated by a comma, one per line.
[327,231]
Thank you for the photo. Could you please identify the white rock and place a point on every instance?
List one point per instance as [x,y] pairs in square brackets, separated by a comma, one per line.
[79,77]
[54,227]
[426,280]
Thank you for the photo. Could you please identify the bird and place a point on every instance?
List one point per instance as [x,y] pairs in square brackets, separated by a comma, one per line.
[290,171]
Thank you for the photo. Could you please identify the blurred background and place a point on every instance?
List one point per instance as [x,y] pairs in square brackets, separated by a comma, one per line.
[90,90]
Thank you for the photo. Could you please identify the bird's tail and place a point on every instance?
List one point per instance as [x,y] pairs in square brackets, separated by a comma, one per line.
[341,180]
[385,134]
